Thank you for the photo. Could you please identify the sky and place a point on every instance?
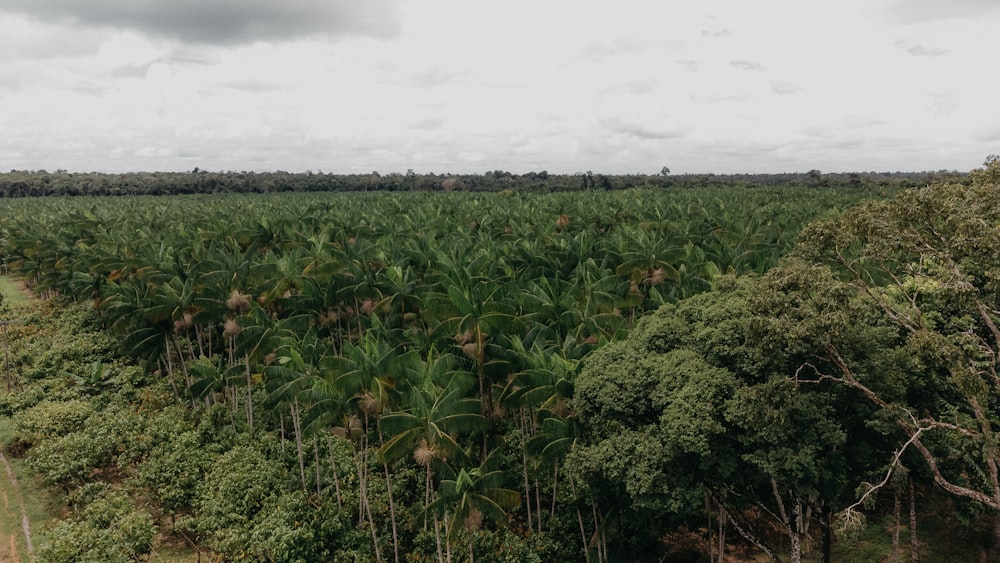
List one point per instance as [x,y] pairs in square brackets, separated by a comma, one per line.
[469,86]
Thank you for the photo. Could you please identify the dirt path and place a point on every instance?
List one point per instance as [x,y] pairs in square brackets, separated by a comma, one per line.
[16,543]
[14,540]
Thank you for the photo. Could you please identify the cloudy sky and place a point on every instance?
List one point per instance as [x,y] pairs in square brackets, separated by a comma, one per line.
[468,86]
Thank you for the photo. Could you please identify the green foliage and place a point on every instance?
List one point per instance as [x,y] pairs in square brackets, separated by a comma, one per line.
[51,419]
[35,392]
[914,329]
[174,470]
[26,183]
[237,486]
[794,437]
[107,440]
[294,345]
[245,510]
[471,496]
[108,528]
[695,403]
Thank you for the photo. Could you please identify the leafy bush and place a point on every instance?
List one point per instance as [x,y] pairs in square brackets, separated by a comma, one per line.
[237,487]
[174,470]
[51,419]
[246,510]
[35,392]
[109,529]
[112,438]
[70,459]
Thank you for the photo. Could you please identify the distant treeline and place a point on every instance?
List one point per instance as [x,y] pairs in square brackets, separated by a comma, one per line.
[38,183]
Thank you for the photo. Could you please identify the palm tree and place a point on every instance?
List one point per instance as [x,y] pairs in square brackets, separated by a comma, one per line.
[470,495]
[258,337]
[370,373]
[302,379]
[436,417]
[283,276]
[473,307]
[541,389]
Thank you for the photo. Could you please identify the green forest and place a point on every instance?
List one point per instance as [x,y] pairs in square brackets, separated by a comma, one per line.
[505,368]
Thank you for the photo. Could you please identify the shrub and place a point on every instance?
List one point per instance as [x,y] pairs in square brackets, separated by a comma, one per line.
[249,509]
[51,419]
[174,470]
[108,439]
[110,529]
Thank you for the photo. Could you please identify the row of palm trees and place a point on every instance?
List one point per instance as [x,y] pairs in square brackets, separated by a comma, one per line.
[426,330]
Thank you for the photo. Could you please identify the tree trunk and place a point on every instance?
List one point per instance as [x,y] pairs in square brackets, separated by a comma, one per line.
[995,547]
[365,507]
[318,478]
[708,527]
[579,518]
[897,505]
[281,426]
[827,534]
[741,529]
[336,474]
[226,390]
[447,538]
[722,533]
[538,505]
[360,463]
[555,490]
[297,427]
[795,548]
[371,525]
[437,539]
[914,547]
[249,395]
[165,367]
[524,465]
[180,358]
[597,533]
[199,336]
[388,488]
[236,403]
[392,513]
[792,522]
[191,346]
[428,483]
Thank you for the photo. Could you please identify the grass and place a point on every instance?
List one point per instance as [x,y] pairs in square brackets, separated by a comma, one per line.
[25,507]
[941,539]
[12,292]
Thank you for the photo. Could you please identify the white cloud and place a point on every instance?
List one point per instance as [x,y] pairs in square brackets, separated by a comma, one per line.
[220,22]
[474,86]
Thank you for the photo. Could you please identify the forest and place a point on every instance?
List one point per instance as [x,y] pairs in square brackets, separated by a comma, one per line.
[655,369]
[41,183]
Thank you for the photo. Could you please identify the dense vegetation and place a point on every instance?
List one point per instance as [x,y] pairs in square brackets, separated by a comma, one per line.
[448,376]
[40,183]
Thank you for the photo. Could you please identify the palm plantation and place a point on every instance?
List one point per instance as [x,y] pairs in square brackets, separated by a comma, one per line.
[407,365]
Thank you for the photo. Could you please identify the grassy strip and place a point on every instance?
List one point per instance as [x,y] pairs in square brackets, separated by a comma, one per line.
[12,292]
[26,510]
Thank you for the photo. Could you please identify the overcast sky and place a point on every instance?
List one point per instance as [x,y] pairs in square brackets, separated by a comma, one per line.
[468,86]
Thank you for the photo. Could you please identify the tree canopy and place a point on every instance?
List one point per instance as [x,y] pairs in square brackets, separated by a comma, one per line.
[872,349]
